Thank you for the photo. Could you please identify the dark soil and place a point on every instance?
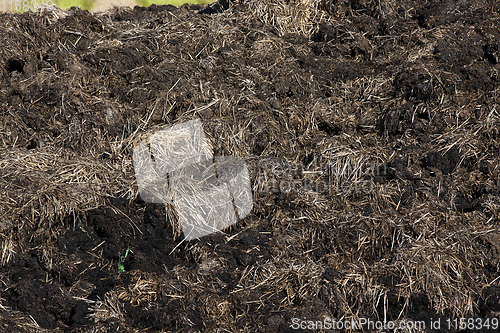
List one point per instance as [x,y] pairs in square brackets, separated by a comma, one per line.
[371,130]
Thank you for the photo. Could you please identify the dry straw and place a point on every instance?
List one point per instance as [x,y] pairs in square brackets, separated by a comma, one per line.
[342,111]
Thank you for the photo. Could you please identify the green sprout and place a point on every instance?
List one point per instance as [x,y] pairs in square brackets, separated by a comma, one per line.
[83,229]
[121,263]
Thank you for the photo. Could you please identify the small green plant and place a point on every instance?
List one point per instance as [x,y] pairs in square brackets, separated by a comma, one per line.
[121,263]
[83,229]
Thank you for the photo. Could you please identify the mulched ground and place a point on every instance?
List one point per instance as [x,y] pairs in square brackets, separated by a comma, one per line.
[370,130]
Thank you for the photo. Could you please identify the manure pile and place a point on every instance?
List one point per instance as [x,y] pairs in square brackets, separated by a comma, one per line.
[370,130]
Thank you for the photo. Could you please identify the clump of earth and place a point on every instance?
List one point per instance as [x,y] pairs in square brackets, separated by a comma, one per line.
[370,130]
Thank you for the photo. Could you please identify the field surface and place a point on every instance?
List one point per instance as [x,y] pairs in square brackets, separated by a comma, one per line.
[370,129]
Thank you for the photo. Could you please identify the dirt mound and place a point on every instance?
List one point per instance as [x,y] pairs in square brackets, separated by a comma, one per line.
[370,130]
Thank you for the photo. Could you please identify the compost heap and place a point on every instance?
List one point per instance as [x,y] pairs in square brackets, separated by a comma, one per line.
[370,130]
